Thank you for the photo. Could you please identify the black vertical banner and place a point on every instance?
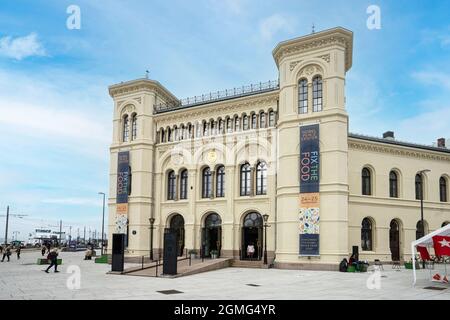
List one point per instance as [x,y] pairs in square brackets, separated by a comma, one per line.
[123,175]
[309,159]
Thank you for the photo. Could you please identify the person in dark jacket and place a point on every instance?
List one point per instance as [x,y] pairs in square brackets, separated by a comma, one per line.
[7,253]
[18,252]
[53,257]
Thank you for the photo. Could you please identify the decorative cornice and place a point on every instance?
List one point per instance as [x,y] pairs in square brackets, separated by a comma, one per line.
[396,150]
[337,36]
[141,85]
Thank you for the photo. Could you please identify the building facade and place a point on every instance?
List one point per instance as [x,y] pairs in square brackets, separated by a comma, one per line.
[217,168]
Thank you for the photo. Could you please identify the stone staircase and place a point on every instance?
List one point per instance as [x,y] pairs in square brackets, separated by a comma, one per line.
[249,264]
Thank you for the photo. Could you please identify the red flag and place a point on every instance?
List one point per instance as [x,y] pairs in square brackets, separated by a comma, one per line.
[441,245]
[424,253]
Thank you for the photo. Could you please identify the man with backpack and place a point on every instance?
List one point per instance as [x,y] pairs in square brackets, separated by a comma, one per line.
[53,257]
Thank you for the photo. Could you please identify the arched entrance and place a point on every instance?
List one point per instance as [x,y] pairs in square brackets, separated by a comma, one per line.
[252,234]
[212,234]
[177,225]
[394,240]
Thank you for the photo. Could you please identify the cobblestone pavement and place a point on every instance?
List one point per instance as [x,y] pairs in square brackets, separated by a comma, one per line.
[24,279]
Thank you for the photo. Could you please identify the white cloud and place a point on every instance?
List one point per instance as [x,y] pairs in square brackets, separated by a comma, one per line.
[269,26]
[73,201]
[439,79]
[21,47]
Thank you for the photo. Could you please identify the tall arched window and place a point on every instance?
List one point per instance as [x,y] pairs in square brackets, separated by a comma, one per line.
[237,124]
[133,126]
[126,128]
[206,183]
[221,127]
[303,96]
[272,118]
[213,127]
[184,184]
[419,186]
[169,134]
[245,179]
[393,184]
[245,122]
[254,121]
[443,189]
[317,94]
[366,235]
[366,182]
[220,182]
[261,178]
[171,185]
[205,128]
[262,120]
[229,125]
[163,135]
[175,133]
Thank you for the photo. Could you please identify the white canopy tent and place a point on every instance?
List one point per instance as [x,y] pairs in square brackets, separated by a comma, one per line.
[427,241]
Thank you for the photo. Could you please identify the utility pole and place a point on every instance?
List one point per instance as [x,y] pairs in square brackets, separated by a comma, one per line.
[84,235]
[7,221]
[60,231]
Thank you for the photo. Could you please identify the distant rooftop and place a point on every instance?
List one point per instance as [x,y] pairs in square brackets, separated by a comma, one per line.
[217,96]
[398,143]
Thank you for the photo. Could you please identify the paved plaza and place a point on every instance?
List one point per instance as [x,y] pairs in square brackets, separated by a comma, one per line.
[25,280]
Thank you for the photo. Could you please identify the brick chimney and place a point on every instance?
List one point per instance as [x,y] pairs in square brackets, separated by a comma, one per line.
[389,135]
[441,143]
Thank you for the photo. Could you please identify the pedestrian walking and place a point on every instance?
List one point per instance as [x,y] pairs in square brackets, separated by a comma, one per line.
[1,249]
[7,253]
[18,252]
[43,250]
[53,257]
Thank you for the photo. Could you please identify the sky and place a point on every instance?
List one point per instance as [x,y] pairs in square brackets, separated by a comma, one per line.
[56,114]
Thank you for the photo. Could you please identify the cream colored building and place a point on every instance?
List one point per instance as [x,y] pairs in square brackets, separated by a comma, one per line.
[212,166]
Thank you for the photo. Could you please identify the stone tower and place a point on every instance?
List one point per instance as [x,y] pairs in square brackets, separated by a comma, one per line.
[328,55]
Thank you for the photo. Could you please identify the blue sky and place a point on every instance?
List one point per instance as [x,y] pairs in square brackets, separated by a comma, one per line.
[55,119]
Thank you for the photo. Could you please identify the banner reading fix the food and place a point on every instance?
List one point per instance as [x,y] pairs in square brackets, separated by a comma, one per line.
[123,175]
[309,198]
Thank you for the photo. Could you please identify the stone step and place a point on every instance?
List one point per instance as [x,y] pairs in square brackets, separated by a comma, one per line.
[248,264]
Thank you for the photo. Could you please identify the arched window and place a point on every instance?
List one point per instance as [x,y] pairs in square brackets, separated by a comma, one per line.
[221,127]
[444,224]
[237,124]
[366,235]
[419,187]
[175,133]
[366,182]
[393,184]
[206,183]
[169,135]
[191,131]
[261,178]
[126,128]
[205,128]
[245,122]
[317,94]
[272,118]
[303,96]
[183,133]
[133,126]
[229,126]
[171,185]
[184,184]
[163,135]
[420,229]
[213,127]
[443,189]
[220,182]
[262,120]
[254,121]
[245,179]
[129,180]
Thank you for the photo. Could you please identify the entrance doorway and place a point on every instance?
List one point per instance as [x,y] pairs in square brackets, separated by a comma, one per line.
[177,225]
[252,235]
[212,234]
[394,240]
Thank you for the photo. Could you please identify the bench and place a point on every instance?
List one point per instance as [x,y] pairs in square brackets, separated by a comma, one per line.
[41,261]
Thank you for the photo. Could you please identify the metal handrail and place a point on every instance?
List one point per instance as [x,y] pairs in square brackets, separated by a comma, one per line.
[217,96]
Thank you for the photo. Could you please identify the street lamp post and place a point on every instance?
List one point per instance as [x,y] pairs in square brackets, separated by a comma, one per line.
[152,221]
[422,224]
[103,222]
[266,217]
